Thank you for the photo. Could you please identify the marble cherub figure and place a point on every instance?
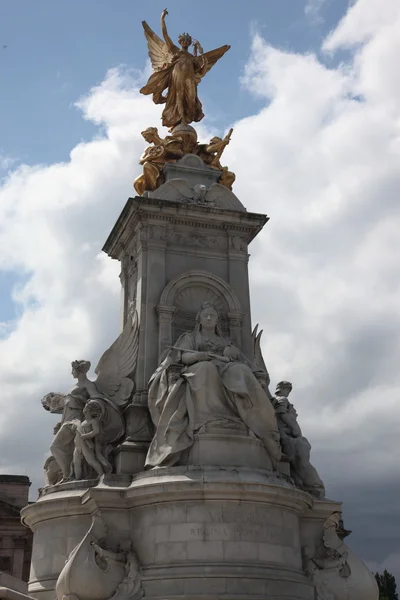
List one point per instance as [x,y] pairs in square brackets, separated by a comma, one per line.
[88,442]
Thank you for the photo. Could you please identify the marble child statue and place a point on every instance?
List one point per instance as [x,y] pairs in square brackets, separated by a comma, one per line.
[294,445]
[88,442]
[215,384]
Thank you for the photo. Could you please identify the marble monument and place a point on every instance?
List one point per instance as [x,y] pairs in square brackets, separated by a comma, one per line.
[176,473]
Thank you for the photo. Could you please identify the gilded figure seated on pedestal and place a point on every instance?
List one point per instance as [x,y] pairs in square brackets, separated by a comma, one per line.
[153,159]
[212,382]
[211,154]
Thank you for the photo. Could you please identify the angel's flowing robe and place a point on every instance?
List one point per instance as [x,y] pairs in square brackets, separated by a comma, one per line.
[181,77]
[205,392]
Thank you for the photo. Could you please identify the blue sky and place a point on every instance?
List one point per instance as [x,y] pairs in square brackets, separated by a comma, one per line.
[324,277]
[56,51]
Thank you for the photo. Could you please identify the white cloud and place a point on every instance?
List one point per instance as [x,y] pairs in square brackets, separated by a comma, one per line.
[321,158]
[367,20]
[6,162]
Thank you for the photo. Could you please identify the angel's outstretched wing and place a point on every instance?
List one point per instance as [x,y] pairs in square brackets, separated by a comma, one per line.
[159,53]
[212,56]
[118,362]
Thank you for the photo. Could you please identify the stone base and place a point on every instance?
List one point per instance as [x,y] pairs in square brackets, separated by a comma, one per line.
[224,449]
[198,532]
[192,169]
[130,457]
[219,531]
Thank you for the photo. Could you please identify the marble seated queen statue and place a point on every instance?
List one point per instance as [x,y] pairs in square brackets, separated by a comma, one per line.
[203,380]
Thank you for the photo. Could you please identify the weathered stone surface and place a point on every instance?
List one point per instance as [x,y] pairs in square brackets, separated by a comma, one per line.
[227,449]
[200,532]
[216,195]
[192,169]
[183,522]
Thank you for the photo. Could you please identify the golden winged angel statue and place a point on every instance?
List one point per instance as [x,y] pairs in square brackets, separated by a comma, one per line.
[179,71]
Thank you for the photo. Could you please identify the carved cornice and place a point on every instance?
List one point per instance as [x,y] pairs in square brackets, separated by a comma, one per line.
[139,213]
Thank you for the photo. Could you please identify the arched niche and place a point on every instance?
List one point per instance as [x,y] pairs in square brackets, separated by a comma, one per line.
[182,298]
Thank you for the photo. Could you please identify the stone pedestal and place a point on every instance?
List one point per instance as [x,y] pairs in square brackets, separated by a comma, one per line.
[175,255]
[227,450]
[130,457]
[198,532]
[193,170]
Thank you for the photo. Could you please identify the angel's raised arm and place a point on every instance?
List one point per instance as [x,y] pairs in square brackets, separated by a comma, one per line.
[171,46]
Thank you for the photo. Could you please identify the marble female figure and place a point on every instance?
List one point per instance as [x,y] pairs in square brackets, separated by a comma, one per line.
[216,384]
[62,447]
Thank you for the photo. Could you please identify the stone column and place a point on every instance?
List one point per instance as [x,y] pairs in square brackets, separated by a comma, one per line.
[123,277]
[235,327]
[165,317]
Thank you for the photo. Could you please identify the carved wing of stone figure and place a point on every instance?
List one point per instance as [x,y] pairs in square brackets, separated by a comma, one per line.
[118,362]
[159,53]
[258,360]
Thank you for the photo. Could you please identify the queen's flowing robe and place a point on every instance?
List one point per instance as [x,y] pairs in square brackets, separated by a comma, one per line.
[227,393]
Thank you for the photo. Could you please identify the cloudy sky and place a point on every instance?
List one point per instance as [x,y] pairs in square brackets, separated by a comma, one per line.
[312,89]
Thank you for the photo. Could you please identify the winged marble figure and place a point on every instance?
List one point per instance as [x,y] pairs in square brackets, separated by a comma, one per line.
[107,395]
[258,361]
[178,71]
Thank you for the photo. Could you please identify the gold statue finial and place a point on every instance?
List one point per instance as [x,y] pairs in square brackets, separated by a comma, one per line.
[179,71]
